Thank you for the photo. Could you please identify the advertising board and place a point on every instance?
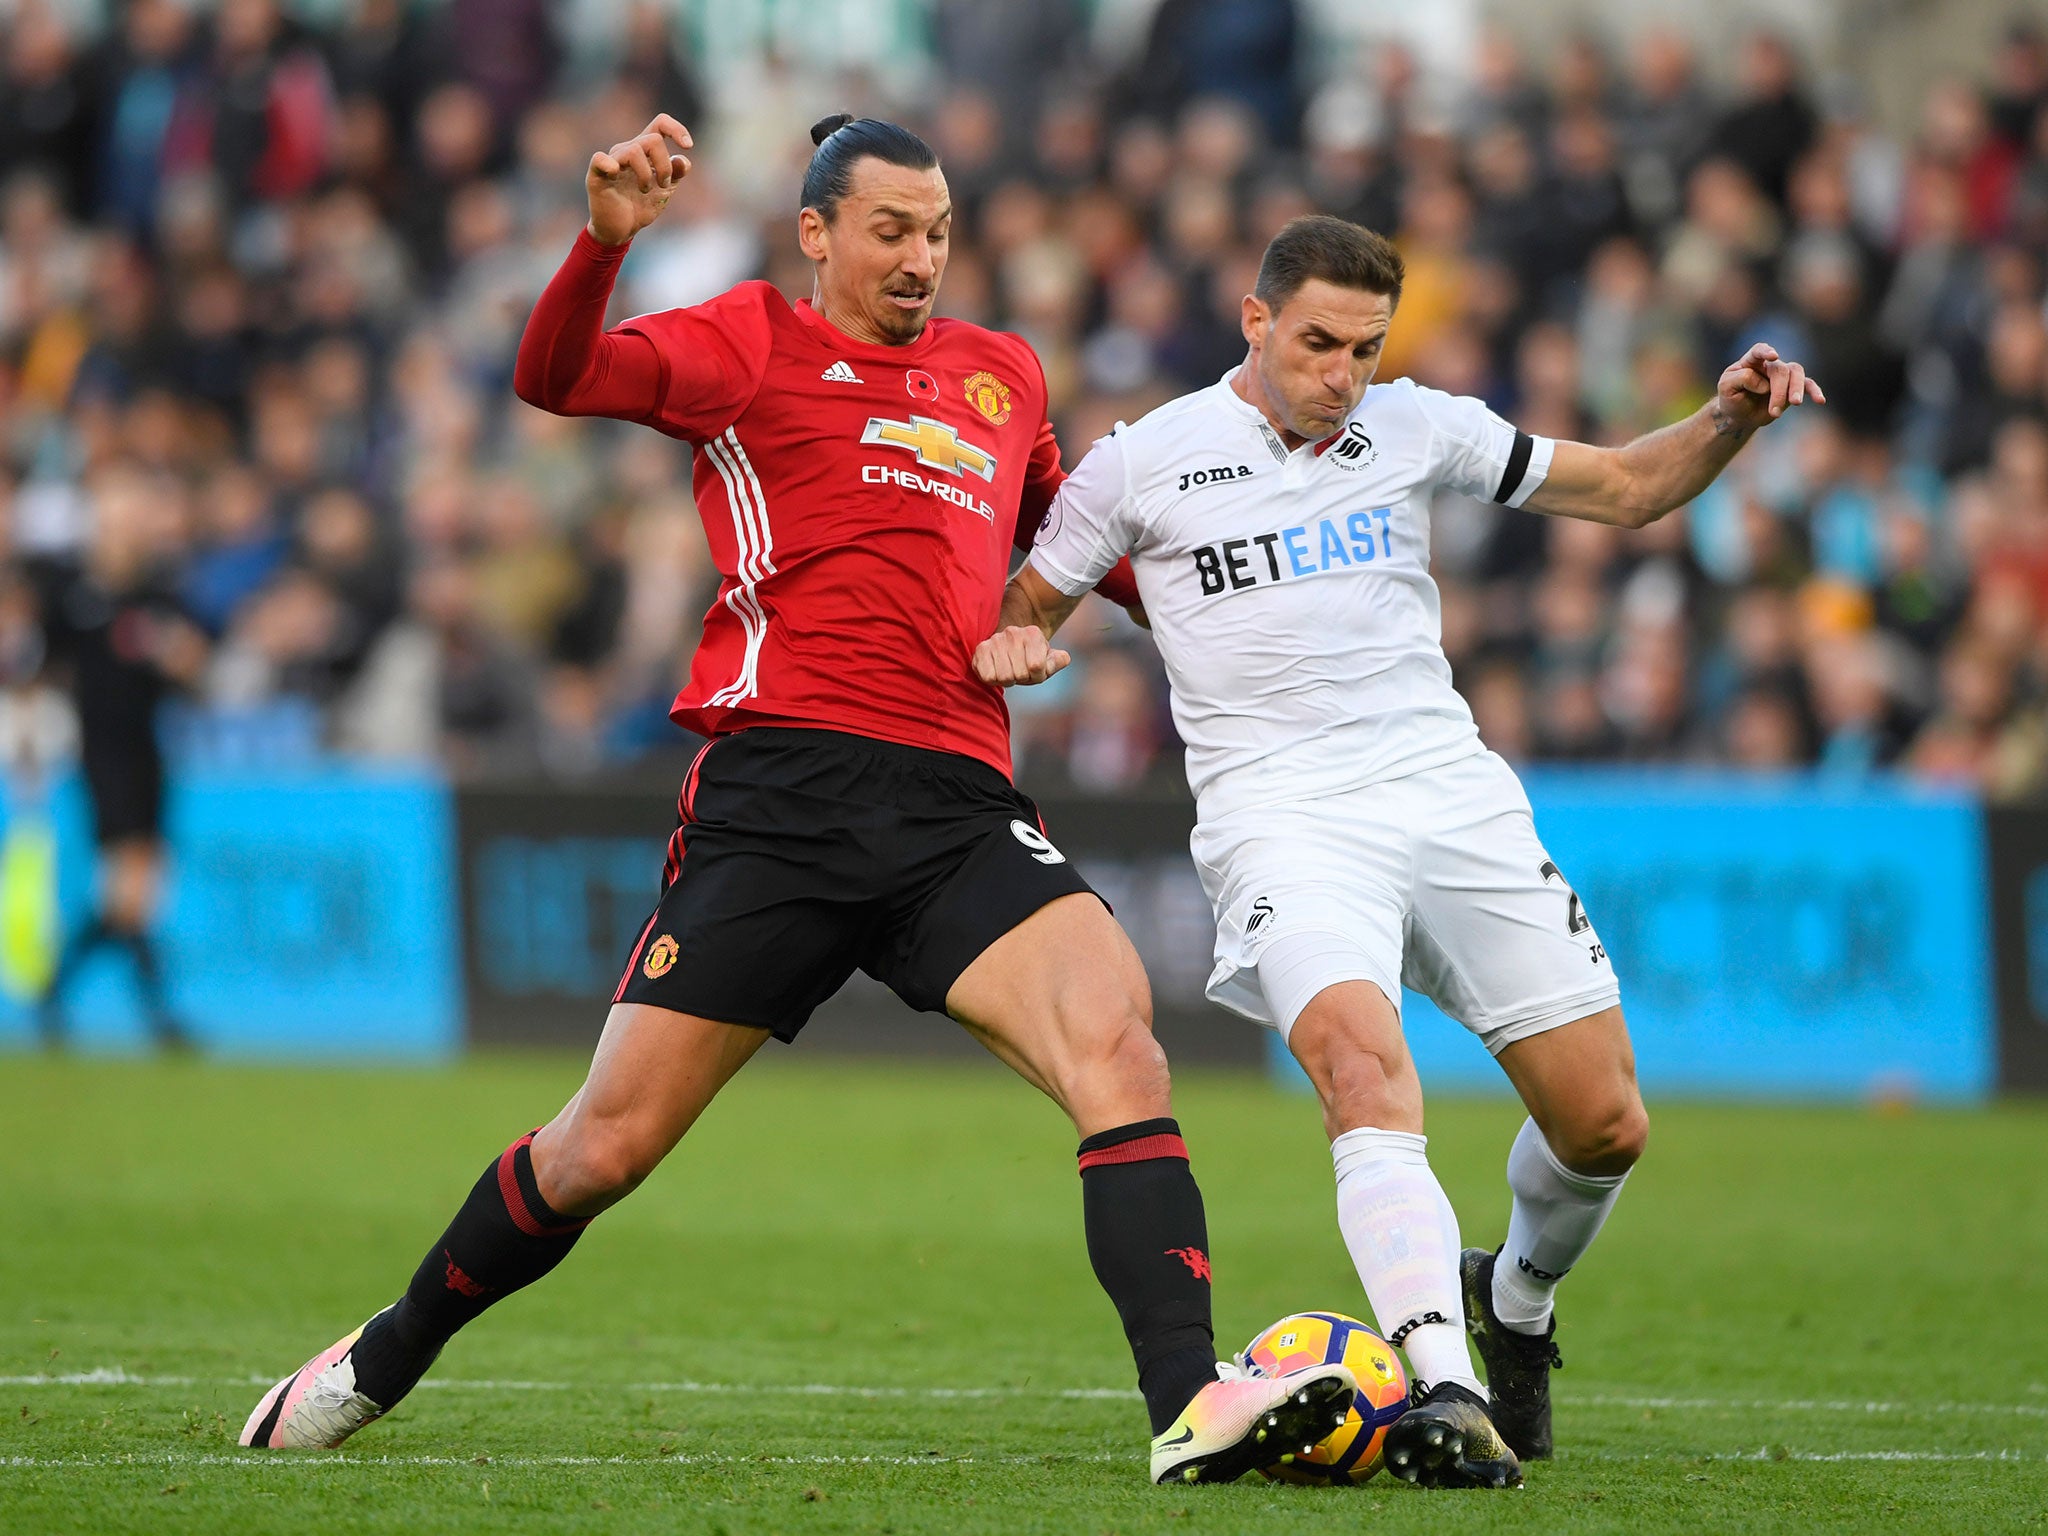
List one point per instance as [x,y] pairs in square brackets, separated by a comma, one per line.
[1773,936]
[308,914]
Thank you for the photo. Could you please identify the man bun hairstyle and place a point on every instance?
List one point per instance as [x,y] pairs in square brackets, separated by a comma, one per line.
[1338,251]
[843,141]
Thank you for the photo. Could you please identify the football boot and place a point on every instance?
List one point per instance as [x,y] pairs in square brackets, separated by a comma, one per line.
[1447,1440]
[1239,1422]
[1518,1365]
[316,1407]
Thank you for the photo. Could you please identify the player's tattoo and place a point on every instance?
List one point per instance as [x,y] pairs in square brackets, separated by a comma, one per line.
[1724,424]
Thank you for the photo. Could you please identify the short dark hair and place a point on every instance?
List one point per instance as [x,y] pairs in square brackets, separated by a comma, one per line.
[1335,250]
[843,141]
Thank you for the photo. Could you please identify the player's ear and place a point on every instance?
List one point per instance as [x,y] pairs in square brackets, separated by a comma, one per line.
[810,233]
[1255,319]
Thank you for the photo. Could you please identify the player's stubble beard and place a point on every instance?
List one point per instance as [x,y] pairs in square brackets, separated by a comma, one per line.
[1300,421]
[900,325]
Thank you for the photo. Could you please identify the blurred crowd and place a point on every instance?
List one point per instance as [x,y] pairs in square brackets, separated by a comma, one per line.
[263,271]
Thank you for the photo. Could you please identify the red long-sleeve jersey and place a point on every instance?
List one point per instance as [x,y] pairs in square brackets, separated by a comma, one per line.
[861,502]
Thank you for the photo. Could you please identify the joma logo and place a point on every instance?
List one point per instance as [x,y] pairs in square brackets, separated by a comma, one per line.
[1214,476]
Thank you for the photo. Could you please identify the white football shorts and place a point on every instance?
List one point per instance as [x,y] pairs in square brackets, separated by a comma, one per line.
[1436,880]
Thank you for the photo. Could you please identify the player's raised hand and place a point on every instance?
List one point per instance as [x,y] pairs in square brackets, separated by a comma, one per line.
[1759,387]
[1016,656]
[630,183]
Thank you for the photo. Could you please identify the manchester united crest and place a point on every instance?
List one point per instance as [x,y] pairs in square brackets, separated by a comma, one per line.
[989,395]
[661,957]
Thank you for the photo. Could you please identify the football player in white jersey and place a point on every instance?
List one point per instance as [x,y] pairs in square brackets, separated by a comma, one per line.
[1353,832]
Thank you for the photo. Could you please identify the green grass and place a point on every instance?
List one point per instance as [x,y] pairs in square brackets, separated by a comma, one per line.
[1798,1319]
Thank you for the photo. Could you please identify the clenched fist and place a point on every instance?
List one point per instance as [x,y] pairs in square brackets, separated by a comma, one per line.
[1759,387]
[630,183]
[1013,657]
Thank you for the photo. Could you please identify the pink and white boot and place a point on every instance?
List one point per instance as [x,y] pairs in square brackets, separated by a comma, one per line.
[316,1407]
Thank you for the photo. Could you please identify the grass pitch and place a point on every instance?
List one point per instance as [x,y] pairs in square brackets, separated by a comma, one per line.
[857,1300]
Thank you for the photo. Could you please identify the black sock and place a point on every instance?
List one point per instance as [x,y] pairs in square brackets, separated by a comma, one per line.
[504,1237]
[149,984]
[1150,1247]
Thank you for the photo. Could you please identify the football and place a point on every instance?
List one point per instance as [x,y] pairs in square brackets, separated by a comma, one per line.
[1351,1452]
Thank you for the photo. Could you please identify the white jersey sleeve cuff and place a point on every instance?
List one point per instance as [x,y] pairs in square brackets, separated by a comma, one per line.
[1527,468]
[1073,586]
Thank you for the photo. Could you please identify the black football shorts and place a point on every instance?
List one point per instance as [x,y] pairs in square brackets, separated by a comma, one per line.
[801,856]
[126,785]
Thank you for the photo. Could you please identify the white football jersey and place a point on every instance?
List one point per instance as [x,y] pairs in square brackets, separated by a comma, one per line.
[1289,593]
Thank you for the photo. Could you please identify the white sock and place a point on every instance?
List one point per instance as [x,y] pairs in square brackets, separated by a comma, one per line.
[1403,1237]
[1556,1216]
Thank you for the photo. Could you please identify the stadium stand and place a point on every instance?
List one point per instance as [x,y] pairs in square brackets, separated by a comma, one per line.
[262,273]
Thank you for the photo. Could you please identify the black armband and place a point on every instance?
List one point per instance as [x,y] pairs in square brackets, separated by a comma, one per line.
[1518,468]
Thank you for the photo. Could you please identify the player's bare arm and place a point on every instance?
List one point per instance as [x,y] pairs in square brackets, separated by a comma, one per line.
[1633,486]
[630,183]
[1021,652]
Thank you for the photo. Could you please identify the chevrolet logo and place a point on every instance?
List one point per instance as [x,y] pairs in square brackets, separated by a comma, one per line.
[936,445]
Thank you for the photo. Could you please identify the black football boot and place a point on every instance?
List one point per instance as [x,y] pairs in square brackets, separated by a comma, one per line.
[1518,1365]
[1447,1440]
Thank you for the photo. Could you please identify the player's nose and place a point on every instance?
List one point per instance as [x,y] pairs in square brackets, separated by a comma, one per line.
[917,260]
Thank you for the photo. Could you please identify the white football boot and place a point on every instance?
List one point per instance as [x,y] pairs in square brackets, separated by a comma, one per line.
[1239,1422]
[316,1407]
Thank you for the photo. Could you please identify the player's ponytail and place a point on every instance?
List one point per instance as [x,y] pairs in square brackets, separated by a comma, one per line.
[825,127]
[844,140]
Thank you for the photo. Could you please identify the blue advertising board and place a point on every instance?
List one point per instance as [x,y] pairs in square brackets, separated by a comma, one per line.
[309,914]
[1777,937]
[1772,936]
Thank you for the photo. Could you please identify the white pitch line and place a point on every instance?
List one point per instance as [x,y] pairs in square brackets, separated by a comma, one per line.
[1766,1453]
[316,1461]
[1801,1405]
[107,1377]
[791,1389]
[117,1376]
[320,1462]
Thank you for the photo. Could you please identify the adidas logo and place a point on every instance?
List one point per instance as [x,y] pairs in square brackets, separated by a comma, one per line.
[839,373]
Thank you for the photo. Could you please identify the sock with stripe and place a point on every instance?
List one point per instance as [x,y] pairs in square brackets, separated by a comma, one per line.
[503,1238]
[1403,1237]
[1149,1243]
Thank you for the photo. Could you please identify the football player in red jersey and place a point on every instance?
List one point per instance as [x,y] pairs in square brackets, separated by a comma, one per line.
[864,472]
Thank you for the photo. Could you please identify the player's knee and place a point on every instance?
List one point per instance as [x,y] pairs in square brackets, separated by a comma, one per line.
[1363,1078]
[1131,1057]
[126,908]
[1608,1142]
[1141,1061]
[1118,1069]
[1361,1087]
[1630,1134]
[598,1166]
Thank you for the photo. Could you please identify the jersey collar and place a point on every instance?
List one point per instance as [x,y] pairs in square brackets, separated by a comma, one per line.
[1252,416]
